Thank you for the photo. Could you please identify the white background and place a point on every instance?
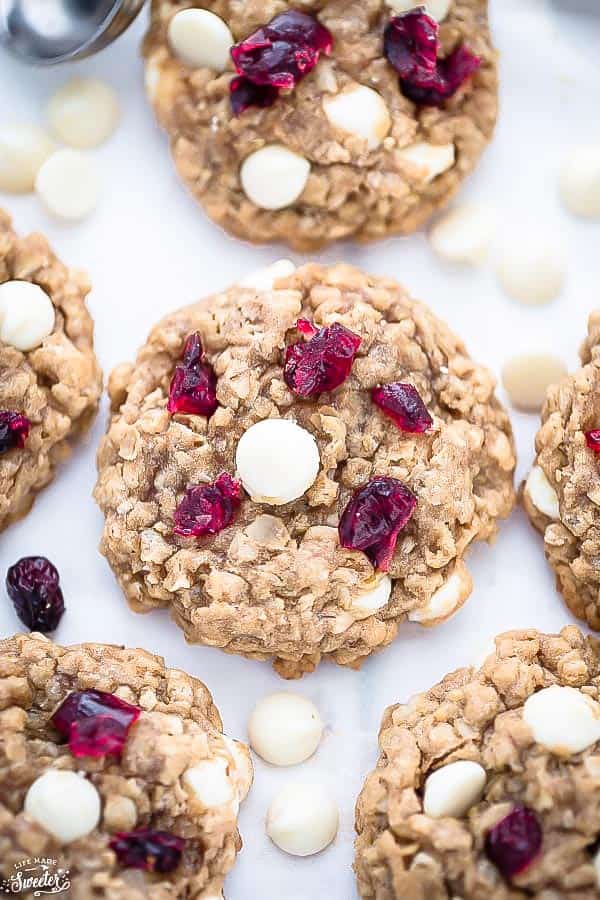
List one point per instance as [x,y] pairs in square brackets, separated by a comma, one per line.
[149,249]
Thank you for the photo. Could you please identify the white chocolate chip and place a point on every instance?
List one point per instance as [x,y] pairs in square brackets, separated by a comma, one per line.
[200,38]
[527,377]
[264,279]
[437,9]
[446,600]
[210,783]
[277,461]
[531,267]
[67,185]
[83,113]
[23,149]
[26,315]
[463,235]
[453,789]
[243,773]
[562,719]
[274,177]
[580,181]
[374,598]
[65,804]
[360,111]
[542,494]
[302,819]
[285,728]
[427,161]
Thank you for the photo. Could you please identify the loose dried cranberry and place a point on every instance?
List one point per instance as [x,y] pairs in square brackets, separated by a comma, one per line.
[95,722]
[321,363]
[14,430]
[193,387]
[153,851]
[245,93]
[403,404]
[515,842]
[33,586]
[374,518]
[592,439]
[208,508]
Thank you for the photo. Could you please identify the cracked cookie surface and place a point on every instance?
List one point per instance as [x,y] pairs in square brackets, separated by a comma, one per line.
[148,786]
[275,581]
[354,189]
[490,716]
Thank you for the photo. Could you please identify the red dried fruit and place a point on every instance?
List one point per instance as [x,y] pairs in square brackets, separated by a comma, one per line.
[152,851]
[452,73]
[14,430]
[323,362]
[515,842]
[95,722]
[592,439]
[33,586]
[244,94]
[374,518]
[193,387]
[208,508]
[403,404]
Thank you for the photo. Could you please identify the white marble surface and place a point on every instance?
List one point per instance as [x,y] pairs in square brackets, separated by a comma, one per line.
[149,249]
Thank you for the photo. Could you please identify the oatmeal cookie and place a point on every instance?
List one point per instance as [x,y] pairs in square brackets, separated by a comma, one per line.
[50,381]
[116,767]
[562,493]
[347,118]
[295,469]
[487,785]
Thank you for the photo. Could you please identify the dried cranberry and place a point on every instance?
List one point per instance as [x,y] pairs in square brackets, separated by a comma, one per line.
[208,508]
[592,439]
[374,518]
[452,73]
[95,722]
[514,843]
[193,387]
[33,586]
[403,404]
[14,430]
[323,362]
[245,93]
[153,851]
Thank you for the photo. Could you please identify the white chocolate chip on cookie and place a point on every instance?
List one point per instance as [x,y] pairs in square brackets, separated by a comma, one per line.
[427,161]
[23,149]
[277,461]
[210,784]
[375,597]
[453,789]
[446,600]
[562,719]
[527,377]
[531,267]
[437,9]
[542,494]
[302,819]
[463,235]
[84,112]
[274,177]
[65,804]
[67,185]
[265,278]
[284,728]
[26,315]
[199,37]
[580,181]
[359,111]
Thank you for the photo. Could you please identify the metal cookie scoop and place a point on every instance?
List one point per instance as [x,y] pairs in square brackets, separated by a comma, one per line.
[46,32]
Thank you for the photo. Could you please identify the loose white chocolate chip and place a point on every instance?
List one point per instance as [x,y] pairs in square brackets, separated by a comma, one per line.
[463,235]
[428,160]
[541,493]
[437,9]
[26,315]
[562,719]
[199,38]
[83,113]
[531,268]
[580,181]
[264,279]
[285,728]
[526,378]
[274,177]
[67,185]
[210,783]
[360,111]
[302,819]
[369,601]
[446,600]
[65,804]
[453,789]
[23,149]
[277,461]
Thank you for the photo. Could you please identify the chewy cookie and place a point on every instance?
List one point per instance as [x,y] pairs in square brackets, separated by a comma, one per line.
[298,464]
[562,493]
[116,767]
[50,381]
[340,119]
[487,785]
